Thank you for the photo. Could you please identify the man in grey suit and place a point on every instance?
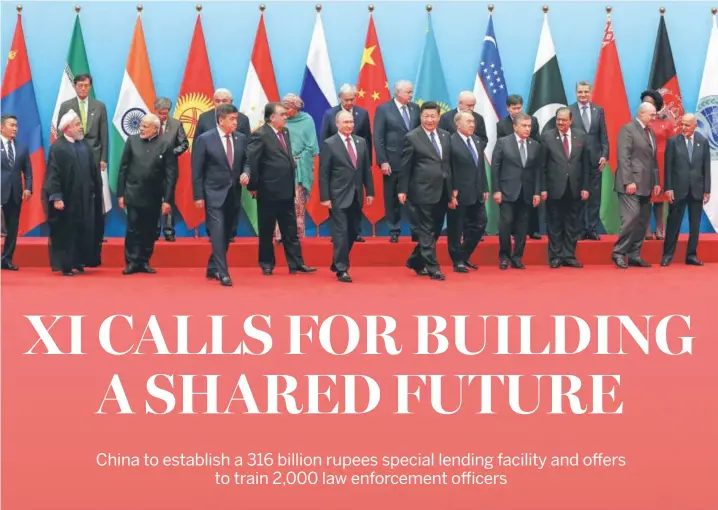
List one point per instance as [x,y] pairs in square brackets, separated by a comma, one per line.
[591,120]
[688,184]
[344,174]
[636,180]
[173,132]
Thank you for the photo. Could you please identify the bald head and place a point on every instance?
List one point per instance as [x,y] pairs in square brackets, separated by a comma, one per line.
[467,101]
[646,113]
[688,124]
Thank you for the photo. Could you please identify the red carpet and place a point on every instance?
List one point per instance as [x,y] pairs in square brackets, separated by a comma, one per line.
[191,252]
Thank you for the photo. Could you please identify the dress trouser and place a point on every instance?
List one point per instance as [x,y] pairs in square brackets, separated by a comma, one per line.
[344,233]
[676,211]
[271,212]
[635,216]
[218,221]
[513,221]
[141,233]
[469,222]
[11,215]
[564,220]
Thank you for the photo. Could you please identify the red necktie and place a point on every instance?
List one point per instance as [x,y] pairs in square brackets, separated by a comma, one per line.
[281,140]
[352,154]
[230,152]
[565,145]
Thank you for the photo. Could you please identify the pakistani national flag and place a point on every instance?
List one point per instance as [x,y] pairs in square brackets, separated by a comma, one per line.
[547,93]
[137,97]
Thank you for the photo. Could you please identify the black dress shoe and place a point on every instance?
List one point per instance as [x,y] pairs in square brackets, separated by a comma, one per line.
[360,239]
[666,261]
[302,269]
[535,235]
[438,276]
[503,264]
[554,263]
[225,281]
[344,277]
[638,263]
[333,268]
[10,267]
[212,275]
[693,262]
[267,271]
[591,236]
[471,266]
[572,263]
[460,268]
[421,272]
[145,268]
[130,269]
[517,264]
[394,238]
[620,261]
[68,273]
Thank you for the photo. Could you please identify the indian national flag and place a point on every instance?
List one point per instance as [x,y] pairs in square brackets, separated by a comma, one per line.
[137,97]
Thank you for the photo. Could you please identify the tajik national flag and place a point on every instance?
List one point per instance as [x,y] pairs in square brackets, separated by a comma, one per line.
[707,113]
[75,64]
[137,98]
[195,98]
[547,93]
[609,92]
[260,88]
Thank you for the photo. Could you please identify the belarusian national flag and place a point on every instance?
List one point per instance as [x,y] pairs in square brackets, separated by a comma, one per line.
[707,110]
[137,98]
[260,88]
[547,93]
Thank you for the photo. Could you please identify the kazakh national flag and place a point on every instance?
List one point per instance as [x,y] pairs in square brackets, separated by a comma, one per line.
[430,82]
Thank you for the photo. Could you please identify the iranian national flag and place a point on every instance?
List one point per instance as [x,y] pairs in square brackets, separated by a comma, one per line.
[137,97]
[708,119]
[260,88]
[547,93]
[610,93]
[76,64]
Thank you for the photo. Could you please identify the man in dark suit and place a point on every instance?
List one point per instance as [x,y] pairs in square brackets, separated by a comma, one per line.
[344,174]
[362,128]
[636,180]
[425,181]
[468,219]
[688,184]
[505,127]
[272,183]
[392,121]
[146,181]
[591,120]
[516,164]
[218,167]
[565,182]
[173,132]
[466,103]
[16,167]
[208,121]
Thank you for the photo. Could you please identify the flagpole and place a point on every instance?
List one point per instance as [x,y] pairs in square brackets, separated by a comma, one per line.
[373,225]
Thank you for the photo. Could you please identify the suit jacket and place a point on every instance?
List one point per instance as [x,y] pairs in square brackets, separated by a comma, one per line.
[468,178]
[424,175]
[339,180]
[176,136]
[389,132]
[212,175]
[96,132]
[148,171]
[505,127]
[272,169]
[636,160]
[208,121]
[447,124]
[362,125]
[12,176]
[597,136]
[688,177]
[509,176]
[559,170]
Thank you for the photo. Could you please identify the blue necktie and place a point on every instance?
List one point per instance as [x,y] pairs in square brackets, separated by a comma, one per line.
[433,142]
[11,153]
[474,156]
[690,149]
[405,114]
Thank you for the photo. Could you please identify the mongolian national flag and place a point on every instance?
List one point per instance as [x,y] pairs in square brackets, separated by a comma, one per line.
[373,90]
[18,99]
[195,98]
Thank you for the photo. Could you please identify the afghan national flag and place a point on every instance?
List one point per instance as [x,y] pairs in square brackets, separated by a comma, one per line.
[137,98]
[195,98]
[18,99]
[373,90]
[610,93]
[260,88]
[663,77]
[547,93]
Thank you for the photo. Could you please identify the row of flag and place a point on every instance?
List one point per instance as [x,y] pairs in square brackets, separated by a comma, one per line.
[319,94]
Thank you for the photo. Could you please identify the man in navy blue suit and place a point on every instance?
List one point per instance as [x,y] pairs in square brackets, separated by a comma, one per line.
[218,168]
[362,128]
[15,165]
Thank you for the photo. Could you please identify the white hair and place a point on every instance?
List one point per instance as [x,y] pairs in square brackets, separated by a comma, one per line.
[461,114]
[222,93]
[347,89]
[402,85]
[467,94]
[152,119]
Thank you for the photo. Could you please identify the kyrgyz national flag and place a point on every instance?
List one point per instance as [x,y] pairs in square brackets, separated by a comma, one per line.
[373,90]
[137,98]
[18,99]
[610,93]
[195,98]
[260,88]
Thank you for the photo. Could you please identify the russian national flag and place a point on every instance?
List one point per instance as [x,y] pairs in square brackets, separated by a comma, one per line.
[319,94]
[18,99]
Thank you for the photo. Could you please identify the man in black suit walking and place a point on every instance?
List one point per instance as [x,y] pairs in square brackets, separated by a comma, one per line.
[515,178]
[425,180]
[16,166]
[272,183]
[362,128]
[688,184]
[565,182]
[469,178]
[218,167]
[392,121]
[591,120]
[466,103]
[344,174]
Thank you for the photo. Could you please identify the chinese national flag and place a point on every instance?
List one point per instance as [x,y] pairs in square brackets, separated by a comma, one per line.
[195,98]
[373,90]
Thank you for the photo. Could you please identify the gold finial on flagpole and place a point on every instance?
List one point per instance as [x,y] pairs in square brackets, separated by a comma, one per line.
[262,7]
[139,8]
[544,9]
[491,8]
[714,11]
[198,7]
[19,8]
[662,10]
[608,10]
[428,8]
[318,7]
[371,8]
[77,9]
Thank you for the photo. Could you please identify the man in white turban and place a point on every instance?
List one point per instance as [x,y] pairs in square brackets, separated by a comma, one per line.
[73,194]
